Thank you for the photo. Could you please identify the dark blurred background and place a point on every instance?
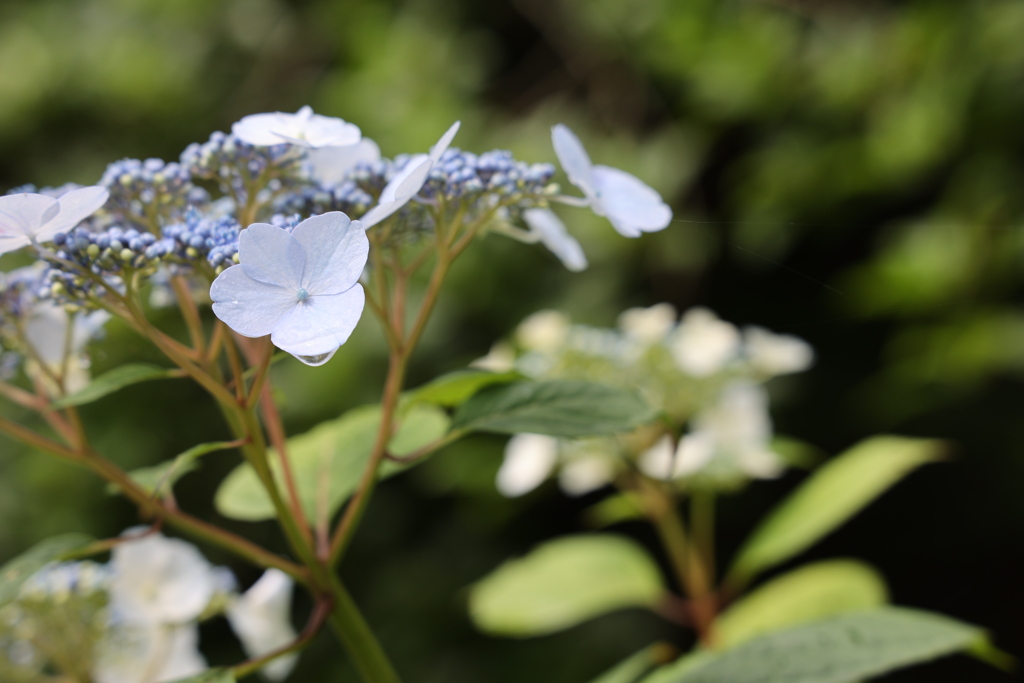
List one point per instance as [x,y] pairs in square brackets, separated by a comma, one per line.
[846,171]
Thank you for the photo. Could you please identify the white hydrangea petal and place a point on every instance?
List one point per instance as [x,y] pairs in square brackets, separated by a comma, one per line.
[149,653]
[336,250]
[409,181]
[776,354]
[261,618]
[629,203]
[251,308]
[75,207]
[761,463]
[529,460]
[9,243]
[573,157]
[160,580]
[657,461]
[321,131]
[270,254]
[555,236]
[584,474]
[703,344]
[46,330]
[331,164]
[696,450]
[262,129]
[441,146]
[648,325]
[544,331]
[315,328]
[22,215]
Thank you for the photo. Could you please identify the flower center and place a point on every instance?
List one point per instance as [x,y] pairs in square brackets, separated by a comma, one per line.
[303,294]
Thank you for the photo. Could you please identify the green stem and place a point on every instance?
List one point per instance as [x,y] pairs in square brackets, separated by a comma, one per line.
[358,639]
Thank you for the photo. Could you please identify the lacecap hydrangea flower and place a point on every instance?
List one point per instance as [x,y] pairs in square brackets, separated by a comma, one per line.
[625,200]
[299,286]
[30,218]
[302,129]
[261,618]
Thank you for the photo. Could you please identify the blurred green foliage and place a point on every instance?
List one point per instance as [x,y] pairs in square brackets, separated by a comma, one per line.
[846,171]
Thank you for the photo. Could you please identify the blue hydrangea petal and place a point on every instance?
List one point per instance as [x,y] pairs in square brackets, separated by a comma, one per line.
[270,254]
[553,234]
[312,330]
[249,307]
[336,251]
[24,214]
[75,206]
[629,203]
[573,157]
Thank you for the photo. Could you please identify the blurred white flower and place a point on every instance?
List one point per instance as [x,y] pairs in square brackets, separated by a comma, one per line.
[408,182]
[501,358]
[261,618]
[547,227]
[46,330]
[544,331]
[529,460]
[300,287]
[330,165]
[631,206]
[732,436]
[776,354]
[160,580]
[584,473]
[27,218]
[148,653]
[703,344]
[648,326]
[303,129]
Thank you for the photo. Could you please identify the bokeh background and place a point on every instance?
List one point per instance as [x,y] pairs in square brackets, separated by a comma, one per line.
[850,172]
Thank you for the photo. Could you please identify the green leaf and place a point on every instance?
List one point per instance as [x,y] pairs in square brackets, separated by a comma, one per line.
[16,571]
[557,408]
[833,494]
[621,507]
[564,582]
[457,387]
[806,594]
[843,649]
[112,381]
[630,670]
[166,474]
[211,676]
[329,460]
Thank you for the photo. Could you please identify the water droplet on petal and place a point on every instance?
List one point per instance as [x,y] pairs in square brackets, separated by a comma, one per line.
[318,359]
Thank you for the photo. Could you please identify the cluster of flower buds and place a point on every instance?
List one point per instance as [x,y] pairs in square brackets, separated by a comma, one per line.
[150,193]
[197,239]
[238,166]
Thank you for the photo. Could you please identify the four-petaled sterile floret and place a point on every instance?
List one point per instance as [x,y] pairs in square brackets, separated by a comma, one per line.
[299,286]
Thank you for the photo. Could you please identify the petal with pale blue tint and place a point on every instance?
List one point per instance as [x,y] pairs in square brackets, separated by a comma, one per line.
[442,145]
[629,203]
[336,249]
[321,131]
[270,254]
[75,207]
[24,214]
[573,157]
[553,234]
[409,181]
[331,164]
[259,129]
[315,328]
[251,308]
